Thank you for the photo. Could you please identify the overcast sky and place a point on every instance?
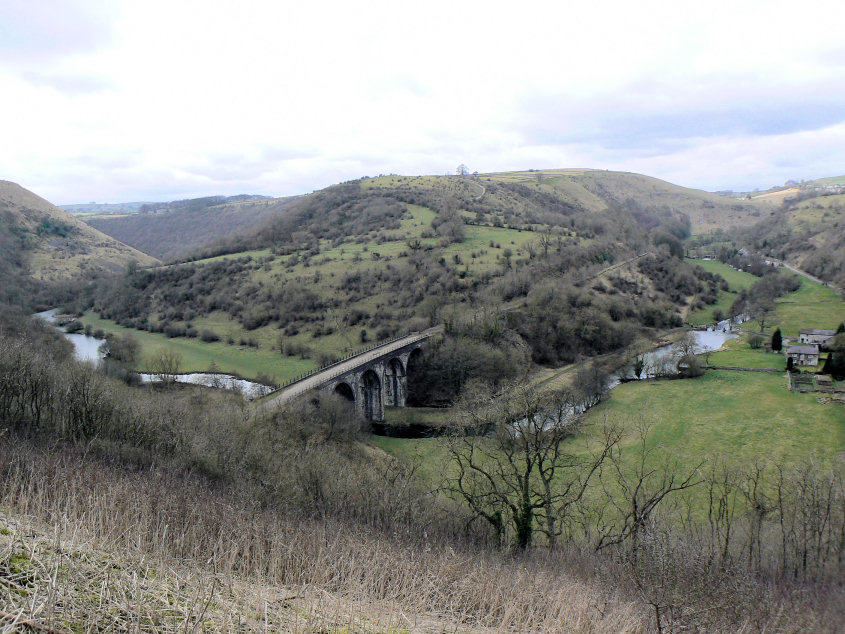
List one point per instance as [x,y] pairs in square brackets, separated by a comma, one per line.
[114,101]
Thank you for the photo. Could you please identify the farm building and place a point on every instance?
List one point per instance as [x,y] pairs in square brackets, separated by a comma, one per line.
[815,335]
[803,355]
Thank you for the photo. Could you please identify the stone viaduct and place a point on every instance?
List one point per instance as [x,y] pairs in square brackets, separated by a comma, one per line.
[377,383]
[371,379]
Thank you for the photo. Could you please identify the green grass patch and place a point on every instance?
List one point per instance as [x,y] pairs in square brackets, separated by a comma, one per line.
[738,353]
[197,356]
[813,305]
[416,415]
[258,253]
[743,416]
[426,454]
[737,280]
[705,316]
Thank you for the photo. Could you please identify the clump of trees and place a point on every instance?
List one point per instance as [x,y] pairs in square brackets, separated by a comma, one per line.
[758,301]
[450,363]
[561,323]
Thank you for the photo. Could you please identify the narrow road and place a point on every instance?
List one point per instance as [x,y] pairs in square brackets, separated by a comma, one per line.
[318,378]
[615,266]
[812,278]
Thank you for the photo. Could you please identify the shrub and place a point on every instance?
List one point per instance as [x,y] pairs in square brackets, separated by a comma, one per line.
[209,336]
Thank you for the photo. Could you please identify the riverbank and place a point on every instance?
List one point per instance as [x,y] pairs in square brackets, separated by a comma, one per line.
[88,349]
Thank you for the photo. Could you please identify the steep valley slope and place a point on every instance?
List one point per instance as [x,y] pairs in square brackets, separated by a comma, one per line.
[52,245]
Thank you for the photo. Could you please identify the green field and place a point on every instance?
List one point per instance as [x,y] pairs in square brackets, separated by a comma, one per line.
[811,306]
[737,280]
[197,356]
[830,180]
[416,415]
[737,352]
[427,455]
[743,416]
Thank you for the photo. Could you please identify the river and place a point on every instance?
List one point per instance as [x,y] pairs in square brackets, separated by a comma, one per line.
[661,361]
[87,349]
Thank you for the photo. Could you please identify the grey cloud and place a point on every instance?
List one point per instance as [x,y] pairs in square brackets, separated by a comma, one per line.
[628,123]
[40,31]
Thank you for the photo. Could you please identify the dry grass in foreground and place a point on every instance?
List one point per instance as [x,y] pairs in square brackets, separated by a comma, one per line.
[89,547]
[84,547]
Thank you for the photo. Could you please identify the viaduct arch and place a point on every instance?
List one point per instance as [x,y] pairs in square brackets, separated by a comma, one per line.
[378,383]
[372,380]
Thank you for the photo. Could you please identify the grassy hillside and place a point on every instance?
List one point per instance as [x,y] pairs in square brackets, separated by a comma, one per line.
[596,190]
[198,356]
[830,180]
[737,281]
[57,246]
[811,306]
[170,230]
[807,232]
[367,260]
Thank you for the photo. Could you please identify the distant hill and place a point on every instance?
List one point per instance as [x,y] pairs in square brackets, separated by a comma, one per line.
[517,200]
[830,180]
[105,208]
[51,245]
[583,259]
[599,189]
[171,230]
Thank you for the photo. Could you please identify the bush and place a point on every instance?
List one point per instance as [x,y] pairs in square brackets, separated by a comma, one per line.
[209,336]
[74,326]
[690,367]
[325,358]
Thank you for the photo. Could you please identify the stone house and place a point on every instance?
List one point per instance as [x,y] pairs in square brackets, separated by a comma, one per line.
[815,335]
[803,355]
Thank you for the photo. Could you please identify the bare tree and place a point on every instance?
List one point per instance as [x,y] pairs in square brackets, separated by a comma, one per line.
[634,489]
[513,467]
[165,366]
[688,346]
[761,503]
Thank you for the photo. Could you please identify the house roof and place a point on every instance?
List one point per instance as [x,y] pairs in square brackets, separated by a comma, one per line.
[816,331]
[802,350]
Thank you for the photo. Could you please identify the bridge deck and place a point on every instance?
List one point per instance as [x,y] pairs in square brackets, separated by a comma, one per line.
[319,378]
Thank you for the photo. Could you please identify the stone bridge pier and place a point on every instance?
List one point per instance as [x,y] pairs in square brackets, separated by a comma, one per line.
[378,382]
